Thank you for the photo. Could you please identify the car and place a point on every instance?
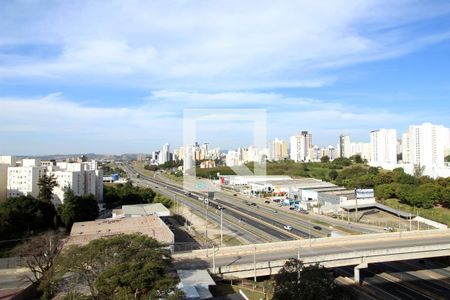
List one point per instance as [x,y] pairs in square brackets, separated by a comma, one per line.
[390,229]
[253,204]
[235,194]
[291,208]
[267,201]
[275,211]
[316,227]
[288,228]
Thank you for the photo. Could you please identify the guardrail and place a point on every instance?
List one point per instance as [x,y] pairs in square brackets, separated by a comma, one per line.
[341,240]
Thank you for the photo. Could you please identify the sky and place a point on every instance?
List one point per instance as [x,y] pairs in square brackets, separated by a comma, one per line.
[117,77]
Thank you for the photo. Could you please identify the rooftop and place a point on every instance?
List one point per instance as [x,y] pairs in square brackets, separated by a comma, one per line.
[145,209]
[152,226]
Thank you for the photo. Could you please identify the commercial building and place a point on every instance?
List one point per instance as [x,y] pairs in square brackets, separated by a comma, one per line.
[152,226]
[300,145]
[138,210]
[383,146]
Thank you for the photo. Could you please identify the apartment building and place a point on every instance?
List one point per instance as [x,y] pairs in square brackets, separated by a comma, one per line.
[383,146]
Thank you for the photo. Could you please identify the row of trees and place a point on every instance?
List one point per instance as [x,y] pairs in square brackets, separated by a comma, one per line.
[135,266]
[25,215]
[120,267]
[123,194]
[420,191]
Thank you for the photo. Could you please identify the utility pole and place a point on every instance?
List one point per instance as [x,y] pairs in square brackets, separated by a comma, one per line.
[221,228]
[214,258]
[206,224]
[410,222]
[254,262]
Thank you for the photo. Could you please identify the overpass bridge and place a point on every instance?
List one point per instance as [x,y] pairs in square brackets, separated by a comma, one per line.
[357,250]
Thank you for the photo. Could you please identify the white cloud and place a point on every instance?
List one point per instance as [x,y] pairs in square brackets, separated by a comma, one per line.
[53,124]
[208,44]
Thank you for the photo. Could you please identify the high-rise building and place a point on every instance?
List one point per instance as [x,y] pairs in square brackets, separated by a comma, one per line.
[383,146]
[164,155]
[344,146]
[300,145]
[362,149]
[279,150]
[424,145]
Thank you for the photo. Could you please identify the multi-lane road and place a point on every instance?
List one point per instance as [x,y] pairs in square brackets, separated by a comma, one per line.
[400,280]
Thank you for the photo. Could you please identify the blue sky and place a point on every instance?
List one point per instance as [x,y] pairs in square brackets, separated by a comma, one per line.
[116,76]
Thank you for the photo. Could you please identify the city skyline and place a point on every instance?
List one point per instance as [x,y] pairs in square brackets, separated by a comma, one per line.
[78,89]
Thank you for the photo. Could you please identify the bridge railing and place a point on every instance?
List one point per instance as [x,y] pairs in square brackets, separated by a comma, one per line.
[315,242]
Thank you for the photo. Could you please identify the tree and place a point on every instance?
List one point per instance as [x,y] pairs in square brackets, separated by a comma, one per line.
[325,159]
[295,281]
[447,158]
[21,215]
[445,197]
[356,158]
[39,253]
[78,209]
[46,185]
[119,267]
[333,174]
[418,171]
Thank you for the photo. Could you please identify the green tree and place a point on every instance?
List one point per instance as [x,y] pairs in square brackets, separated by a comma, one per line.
[333,174]
[325,159]
[357,159]
[78,209]
[120,267]
[295,281]
[447,158]
[24,215]
[445,197]
[46,185]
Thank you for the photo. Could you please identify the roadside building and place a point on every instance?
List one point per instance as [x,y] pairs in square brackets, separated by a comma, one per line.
[152,226]
[138,210]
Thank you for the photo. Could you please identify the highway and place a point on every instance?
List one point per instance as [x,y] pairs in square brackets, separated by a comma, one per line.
[303,225]
[261,217]
[235,221]
[404,280]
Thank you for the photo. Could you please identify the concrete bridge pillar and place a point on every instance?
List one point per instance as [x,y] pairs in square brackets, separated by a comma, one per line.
[357,276]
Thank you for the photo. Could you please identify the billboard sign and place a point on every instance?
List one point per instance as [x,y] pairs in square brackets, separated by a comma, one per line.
[364,193]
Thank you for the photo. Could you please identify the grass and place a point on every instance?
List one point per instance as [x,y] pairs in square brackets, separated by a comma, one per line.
[228,240]
[438,214]
[252,295]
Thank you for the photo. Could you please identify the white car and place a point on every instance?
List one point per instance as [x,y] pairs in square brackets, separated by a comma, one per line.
[287,227]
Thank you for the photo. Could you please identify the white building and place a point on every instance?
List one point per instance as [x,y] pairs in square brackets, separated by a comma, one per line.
[5,162]
[344,146]
[300,145]
[279,150]
[8,160]
[23,181]
[362,149]
[383,146]
[82,178]
[425,145]
[164,155]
